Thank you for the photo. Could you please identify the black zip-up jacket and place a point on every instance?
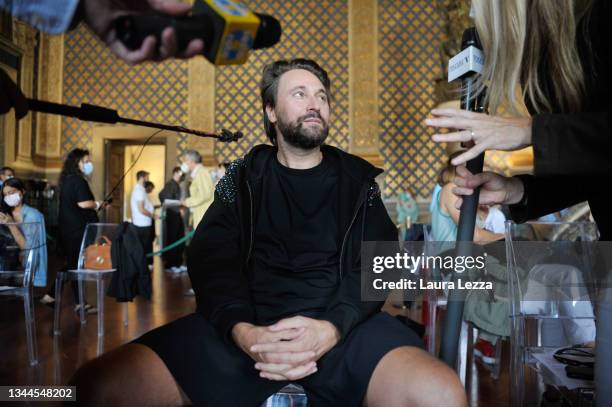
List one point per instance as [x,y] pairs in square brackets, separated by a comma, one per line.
[219,254]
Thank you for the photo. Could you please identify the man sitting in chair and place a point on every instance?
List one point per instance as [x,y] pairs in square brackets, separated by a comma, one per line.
[275,265]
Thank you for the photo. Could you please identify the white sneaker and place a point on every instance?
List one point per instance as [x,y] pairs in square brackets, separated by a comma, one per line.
[183,268]
[89,309]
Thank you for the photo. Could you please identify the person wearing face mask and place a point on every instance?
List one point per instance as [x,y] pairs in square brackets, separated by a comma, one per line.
[77,208]
[14,210]
[201,190]
[174,228]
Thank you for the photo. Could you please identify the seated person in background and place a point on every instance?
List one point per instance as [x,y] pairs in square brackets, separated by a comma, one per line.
[14,210]
[445,215]
[276,268]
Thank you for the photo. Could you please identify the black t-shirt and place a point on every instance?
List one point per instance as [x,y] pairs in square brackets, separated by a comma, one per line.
[72,218]
[295,262]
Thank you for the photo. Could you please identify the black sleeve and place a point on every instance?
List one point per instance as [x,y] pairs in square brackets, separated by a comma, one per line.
[577,143]
[544,195]
[347,309]
[216,269]
[165,193]
[82,192]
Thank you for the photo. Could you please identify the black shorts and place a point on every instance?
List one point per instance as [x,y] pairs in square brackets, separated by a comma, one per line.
[213,373]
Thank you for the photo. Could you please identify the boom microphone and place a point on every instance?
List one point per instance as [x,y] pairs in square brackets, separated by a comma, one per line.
[229,30]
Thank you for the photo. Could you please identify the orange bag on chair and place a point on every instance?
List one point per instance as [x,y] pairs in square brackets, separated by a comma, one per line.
[98,255]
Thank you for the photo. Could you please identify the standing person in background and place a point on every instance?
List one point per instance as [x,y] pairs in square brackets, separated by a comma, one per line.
[174,228]
[201,191]
[143,214]
[77,208]
[13,209]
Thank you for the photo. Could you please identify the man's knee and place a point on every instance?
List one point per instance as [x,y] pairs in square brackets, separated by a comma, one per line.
[96,382]
[411,376]
[130,374]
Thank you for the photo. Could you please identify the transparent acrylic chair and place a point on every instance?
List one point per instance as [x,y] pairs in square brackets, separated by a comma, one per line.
[551,287]
[94,233]
[292,395]
[17,267]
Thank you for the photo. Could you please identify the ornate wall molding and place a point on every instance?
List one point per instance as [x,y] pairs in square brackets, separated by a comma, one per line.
[47,148]
[201,97]
[24,38]
[363,80]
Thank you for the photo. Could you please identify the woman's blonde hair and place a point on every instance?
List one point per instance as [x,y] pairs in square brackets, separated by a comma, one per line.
[518,36]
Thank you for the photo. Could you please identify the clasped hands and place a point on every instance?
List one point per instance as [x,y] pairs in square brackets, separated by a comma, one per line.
[289,349]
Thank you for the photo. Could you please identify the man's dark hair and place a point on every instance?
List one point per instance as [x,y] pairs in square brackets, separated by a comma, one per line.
[148,185]
[71,164]
[269,85]
[141,174]
[176,169]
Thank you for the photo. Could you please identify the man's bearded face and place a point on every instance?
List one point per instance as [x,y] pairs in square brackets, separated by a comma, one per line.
[302,110]
[306,132]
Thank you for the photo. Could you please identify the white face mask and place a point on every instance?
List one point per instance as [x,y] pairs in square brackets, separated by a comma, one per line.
[13,199]
[184,168]
[88,168]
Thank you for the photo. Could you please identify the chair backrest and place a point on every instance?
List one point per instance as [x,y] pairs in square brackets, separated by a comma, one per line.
[15,260]
[95,233]
[544,276]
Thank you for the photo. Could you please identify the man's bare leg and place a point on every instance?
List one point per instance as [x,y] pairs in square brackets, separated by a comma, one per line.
[409,376]
[132,375]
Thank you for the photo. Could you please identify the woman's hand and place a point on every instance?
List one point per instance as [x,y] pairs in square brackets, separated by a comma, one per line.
[495,189]
[6,218]
[486,132]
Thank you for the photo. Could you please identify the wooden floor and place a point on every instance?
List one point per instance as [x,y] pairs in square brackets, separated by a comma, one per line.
[60,356]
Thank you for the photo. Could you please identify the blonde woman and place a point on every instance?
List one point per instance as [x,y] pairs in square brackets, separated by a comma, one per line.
[558,52]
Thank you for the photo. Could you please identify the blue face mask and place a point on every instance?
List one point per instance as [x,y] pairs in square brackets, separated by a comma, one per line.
[88,168]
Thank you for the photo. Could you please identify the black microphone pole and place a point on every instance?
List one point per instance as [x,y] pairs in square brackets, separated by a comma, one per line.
[101,114]
[467,219]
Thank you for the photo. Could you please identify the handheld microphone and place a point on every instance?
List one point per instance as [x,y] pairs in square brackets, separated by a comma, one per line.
[466,65]
[229,30]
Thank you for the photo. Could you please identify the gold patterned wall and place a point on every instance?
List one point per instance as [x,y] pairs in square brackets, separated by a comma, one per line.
[409,34]
[92,74]
[311,29]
